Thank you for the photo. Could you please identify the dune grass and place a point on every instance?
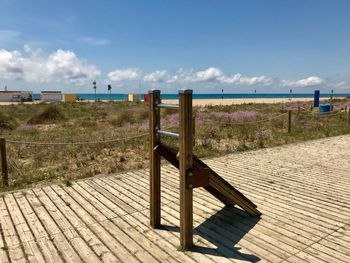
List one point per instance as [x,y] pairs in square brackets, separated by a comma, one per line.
[219,130]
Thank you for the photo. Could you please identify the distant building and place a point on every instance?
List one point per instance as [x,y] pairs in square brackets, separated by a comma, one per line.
[15,96]
[69,97]
[49,96]
[133,97]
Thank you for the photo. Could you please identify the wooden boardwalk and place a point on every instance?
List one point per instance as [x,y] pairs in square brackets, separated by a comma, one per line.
[303,191]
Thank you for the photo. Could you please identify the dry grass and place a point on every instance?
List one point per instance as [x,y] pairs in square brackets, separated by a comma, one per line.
[217,133]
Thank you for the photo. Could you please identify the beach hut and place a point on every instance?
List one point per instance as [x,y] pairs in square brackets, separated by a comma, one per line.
[49,96]
[15,96]
[69,97]
[133,97]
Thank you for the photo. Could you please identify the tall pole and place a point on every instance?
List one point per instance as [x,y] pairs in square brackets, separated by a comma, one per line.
[186,165]
[154,125]
[94,84]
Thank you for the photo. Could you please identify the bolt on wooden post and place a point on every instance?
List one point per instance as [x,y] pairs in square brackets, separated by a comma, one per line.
[186,165]
[289,121]
[154,126]
[4,168]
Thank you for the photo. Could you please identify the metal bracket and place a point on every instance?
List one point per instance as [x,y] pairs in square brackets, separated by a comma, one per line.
[198,178]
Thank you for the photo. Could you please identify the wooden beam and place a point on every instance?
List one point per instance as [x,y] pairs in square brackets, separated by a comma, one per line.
[186,165]
[154,125]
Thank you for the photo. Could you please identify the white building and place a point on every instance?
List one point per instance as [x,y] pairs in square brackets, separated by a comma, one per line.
[15,96]
[48,96]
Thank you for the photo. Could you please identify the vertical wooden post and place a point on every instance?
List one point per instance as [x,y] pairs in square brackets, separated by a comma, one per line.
[194,129]
[154,125]
[298,110]
[289,121]
[4,168]
[349,116]
[186,163]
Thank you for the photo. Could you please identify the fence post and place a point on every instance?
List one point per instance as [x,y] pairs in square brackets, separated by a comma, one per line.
[4,168]
[289,121]
[186,164]
[349,116]
[194,130]
[154,125]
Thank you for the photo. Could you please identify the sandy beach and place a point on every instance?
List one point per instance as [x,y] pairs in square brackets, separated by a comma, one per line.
[203,102]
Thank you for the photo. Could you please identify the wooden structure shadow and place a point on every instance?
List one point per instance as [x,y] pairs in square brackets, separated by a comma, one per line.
[193,172]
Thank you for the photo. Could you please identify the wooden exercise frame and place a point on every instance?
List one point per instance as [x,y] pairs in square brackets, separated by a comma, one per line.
[193,172]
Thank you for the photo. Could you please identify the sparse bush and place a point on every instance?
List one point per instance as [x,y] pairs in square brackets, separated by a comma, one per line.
[51,114]
[123,118]
[7,121]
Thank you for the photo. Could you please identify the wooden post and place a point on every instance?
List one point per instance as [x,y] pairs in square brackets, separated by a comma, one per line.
[154,125]
[194,129]
[298,110]
[289,121]
[186,163]
[4,168]
[349,116]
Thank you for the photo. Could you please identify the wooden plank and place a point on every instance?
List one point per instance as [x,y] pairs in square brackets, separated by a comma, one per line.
[154,125]
[13,246]
[49,231]
[28,241]
[84,229]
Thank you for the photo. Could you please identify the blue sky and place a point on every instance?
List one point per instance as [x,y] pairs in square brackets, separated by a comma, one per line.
[270,46]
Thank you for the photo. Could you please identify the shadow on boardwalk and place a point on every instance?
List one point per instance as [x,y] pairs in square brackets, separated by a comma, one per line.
[224,230]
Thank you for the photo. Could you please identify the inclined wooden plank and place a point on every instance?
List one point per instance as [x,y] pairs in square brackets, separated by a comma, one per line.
[89,236]
[282,220]
[283,186]
[119,247]
[70,233]
[167,177]
[13,244]
[31,249]
[206,202]
[48,248]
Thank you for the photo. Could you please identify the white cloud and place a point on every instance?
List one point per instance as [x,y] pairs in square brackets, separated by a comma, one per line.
[307,82]
[240,80]
[125,74]
[95,41]
[59,66]
[157,76]
[208,75]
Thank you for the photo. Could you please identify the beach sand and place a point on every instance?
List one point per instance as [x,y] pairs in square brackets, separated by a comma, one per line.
[204,102]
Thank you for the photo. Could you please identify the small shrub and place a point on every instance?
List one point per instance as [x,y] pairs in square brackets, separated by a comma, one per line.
[7,121]
[123,118]
[51,114]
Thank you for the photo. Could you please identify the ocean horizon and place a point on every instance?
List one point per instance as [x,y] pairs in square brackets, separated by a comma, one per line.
[169,96]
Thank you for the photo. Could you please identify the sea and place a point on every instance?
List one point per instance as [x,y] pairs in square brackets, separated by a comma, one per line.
[120,96]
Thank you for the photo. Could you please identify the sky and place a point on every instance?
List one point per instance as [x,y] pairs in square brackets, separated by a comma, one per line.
[136,45]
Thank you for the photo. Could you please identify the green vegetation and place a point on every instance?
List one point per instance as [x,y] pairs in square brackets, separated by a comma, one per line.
[181,249]
[219,130]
